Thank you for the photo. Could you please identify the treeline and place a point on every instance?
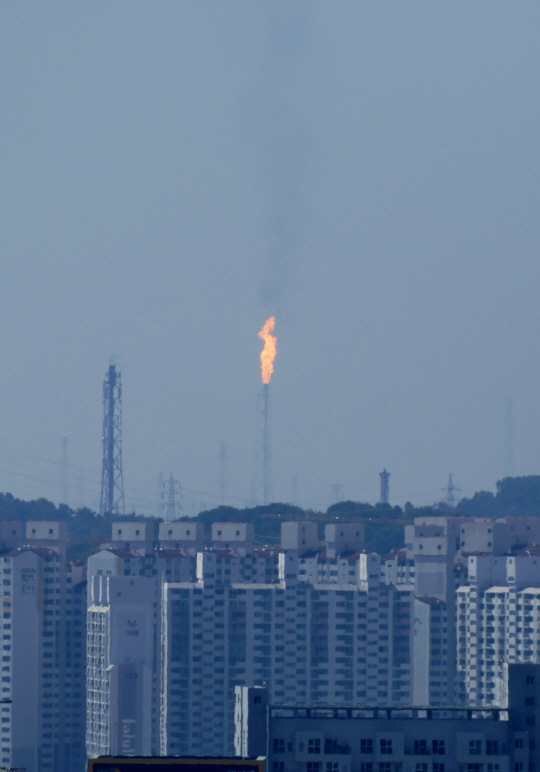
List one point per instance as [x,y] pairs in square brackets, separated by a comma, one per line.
[515,497]
[384,524]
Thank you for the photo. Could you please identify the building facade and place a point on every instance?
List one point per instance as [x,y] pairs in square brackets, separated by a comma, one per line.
[330,738]
[308,640]
[498,622]
[43,628]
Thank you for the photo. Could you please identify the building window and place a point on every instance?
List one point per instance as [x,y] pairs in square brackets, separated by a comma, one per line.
[420,748]
[530,679]
[385,766]
[386,747]
[257,700]
[366,766]
[421,766]
[518,743]
[518,766]
[438,767]
[474,767]
[491,767]
[492,748]
[332,766]
[313,766]
[475,747]
[366,746]
[438,747]
[278,766]
[314,745]
[279,745]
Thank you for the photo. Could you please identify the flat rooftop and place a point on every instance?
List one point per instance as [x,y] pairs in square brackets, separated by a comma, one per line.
[444,712]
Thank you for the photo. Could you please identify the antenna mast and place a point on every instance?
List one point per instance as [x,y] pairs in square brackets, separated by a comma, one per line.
[112,478]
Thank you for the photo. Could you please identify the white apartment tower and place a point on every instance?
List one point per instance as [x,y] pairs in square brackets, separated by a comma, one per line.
[498,622]
[314,628]
[122,666]
[43,635]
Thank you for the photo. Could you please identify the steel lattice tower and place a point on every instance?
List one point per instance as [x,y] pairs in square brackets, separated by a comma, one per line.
[171,494]
[450,493]
[112,479]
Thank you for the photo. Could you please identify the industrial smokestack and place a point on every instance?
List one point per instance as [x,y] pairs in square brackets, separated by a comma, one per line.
[268,355]
[385,487]
[267,453]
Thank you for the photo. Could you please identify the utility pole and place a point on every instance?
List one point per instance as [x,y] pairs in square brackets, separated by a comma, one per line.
[112,479]
[171,494]
[385,486]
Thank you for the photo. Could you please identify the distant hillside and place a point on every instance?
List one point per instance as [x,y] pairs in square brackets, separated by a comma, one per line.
[384,524]
[515,496]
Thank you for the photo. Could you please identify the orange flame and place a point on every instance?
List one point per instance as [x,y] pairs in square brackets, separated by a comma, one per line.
[268,354]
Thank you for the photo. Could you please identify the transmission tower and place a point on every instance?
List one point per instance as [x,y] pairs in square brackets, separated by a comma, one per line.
[171,496]
[385,486]
[112,479]
[450,491]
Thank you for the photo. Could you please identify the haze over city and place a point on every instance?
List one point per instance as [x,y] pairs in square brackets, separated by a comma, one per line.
[174,174]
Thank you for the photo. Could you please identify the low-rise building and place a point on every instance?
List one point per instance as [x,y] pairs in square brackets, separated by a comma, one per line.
[338,738]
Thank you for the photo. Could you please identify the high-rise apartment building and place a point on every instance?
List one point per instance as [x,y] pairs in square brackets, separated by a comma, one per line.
[312,626]
[43,638]
[498,622]
[173,629]
[443,550]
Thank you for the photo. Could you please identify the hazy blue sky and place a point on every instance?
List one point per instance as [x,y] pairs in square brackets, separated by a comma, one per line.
[173,173]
